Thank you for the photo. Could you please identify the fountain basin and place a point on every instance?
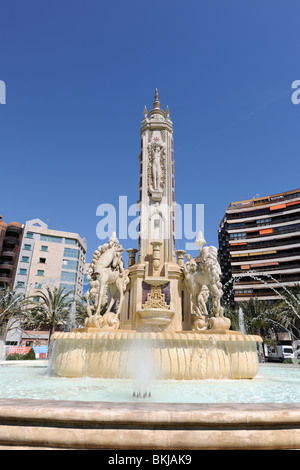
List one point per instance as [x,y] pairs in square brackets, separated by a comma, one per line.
[155,318]
[155,355]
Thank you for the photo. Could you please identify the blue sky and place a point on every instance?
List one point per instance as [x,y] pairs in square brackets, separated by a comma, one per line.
[79,73]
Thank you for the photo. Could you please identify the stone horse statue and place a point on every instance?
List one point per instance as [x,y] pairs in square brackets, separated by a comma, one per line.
[108,281]
[205,271]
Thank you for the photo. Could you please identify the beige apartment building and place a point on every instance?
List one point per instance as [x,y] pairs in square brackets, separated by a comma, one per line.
[50,258]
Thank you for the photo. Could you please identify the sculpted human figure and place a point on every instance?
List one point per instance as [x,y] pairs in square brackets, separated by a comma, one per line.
[156,168]
[201,323]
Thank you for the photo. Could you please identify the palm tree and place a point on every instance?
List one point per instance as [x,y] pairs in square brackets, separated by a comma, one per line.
[52,309]
[233,317]
[12,309]
[81,311]
[257,316]
[288,309]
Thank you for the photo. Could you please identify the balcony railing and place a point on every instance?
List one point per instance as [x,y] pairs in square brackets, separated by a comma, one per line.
[13,230]
[8,253]
[11,241]
[263,244]
[5,277]
[8,266]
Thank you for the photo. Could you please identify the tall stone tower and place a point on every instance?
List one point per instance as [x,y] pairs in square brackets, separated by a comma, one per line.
[156,298]
[157,186]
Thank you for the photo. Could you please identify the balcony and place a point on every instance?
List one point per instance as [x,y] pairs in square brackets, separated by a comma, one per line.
[244,246]
[265,283]
[11,241]
[14,230]
[290,267]
[6,265]
[5,278]
[8,253]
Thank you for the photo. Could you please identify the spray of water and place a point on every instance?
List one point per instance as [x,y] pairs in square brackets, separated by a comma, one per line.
[141,365]
[242,321]
[256,277]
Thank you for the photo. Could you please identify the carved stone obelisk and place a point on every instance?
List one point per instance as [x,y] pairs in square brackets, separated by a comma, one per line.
[156,202]
[156,298]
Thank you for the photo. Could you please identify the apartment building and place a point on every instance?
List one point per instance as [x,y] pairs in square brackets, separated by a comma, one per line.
[10,242]
[259,247]
[50,258]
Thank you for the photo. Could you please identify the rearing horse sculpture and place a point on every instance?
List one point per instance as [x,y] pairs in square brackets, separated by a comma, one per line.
[108,279]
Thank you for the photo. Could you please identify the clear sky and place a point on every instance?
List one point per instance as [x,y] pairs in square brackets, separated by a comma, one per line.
[78,74]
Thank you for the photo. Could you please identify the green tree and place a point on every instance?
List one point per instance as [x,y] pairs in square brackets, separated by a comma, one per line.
[51,308]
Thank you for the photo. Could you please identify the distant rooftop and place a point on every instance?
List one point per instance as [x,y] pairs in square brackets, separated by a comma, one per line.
[260,201]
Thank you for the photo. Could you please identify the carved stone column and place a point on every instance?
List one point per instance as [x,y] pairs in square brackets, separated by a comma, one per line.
[180,257]
[156,256]
[131,256]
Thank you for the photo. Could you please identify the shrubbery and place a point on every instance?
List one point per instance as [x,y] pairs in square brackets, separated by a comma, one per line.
[21,357]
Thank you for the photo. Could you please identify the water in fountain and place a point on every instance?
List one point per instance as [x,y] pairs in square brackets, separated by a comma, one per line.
[274,383]
[72,317]
[141,365]
[241,321]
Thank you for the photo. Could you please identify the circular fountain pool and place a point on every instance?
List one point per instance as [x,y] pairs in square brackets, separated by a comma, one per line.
[273,384]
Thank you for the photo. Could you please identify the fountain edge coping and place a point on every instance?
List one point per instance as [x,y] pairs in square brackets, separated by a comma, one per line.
[175,414]
[208,335]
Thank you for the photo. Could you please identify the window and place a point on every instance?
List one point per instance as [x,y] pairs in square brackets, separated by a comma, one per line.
[29,235]
[68,276]
[44,248]
[27,247]
[70,264]
[51,238]
[71,252]
[70,288]
[23,271]
[25,259]
[42,260]
[40,272]
[266,221]
[38,285]
[237,236]
[21,284]
[70,241]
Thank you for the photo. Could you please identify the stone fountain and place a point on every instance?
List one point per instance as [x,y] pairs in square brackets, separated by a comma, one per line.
[156,317]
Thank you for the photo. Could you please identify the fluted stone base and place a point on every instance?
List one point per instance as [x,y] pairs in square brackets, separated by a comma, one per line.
[163,355]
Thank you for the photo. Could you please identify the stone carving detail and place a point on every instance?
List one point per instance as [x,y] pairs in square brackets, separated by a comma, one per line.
[156,173]
[201,323]
[206,271]
[108,282]
[156,299]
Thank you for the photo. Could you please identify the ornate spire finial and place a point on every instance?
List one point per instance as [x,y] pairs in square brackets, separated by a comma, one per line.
[145,112]
[156,103]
